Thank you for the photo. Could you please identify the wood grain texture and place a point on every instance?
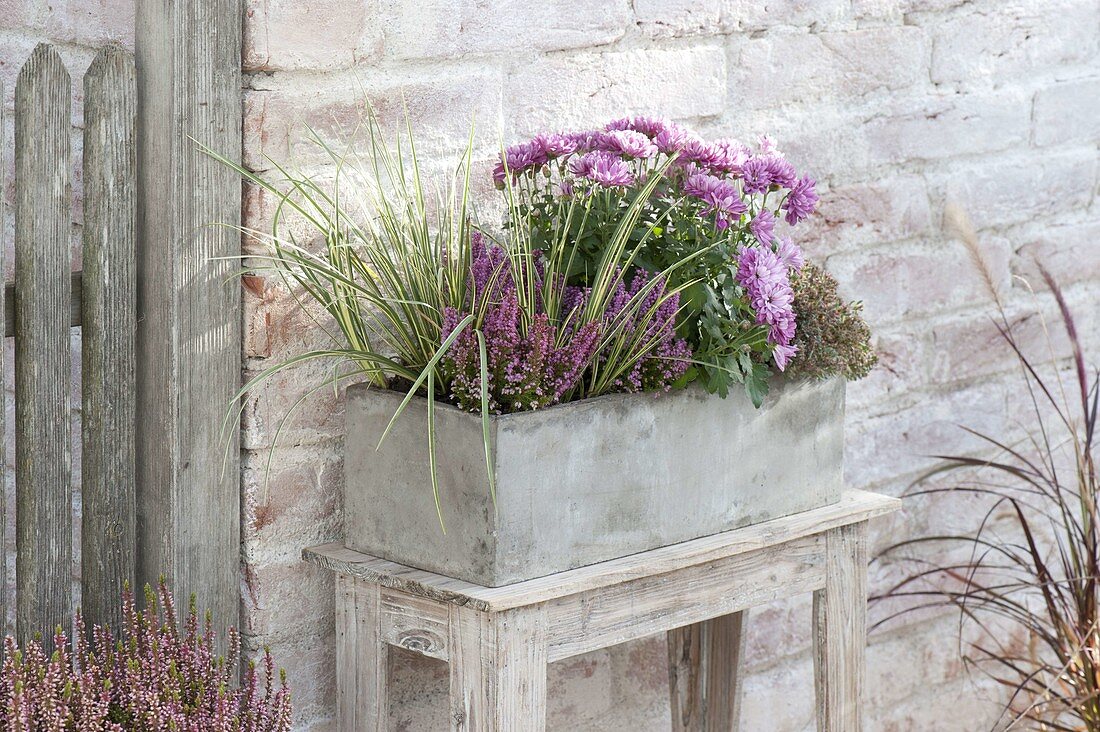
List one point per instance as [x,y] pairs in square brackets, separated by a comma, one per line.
[108,550]
[704,661]
[840,631]
[697,592]
[188,57]
[853,507]
[75,316]
[43,466]
[361,658]
[415,623]
[607,616]
[5,313]
[498,670]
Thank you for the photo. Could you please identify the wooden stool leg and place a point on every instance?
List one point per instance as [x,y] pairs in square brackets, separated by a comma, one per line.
[840,631]
[362,701]
[498,670]
[704,684]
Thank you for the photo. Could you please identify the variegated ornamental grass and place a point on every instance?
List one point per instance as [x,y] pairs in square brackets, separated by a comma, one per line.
[393,266]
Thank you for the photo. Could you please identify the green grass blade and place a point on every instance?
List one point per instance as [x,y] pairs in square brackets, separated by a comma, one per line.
[433,467]
[424,375]
[482,353]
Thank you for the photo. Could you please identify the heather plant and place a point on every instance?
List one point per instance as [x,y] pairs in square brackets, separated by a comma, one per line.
[1026,580]
[832,338]
[548,362]
[712,219]
[153,677]
[526,368]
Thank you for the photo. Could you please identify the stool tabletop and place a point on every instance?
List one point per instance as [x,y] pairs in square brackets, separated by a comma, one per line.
[853,507]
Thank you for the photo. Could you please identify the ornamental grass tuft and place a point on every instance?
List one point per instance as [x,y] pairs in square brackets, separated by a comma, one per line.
[1025,576]
[153,677]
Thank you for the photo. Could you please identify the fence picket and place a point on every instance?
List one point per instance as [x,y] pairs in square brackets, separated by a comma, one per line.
[109,322]
[3,413]
[42,359]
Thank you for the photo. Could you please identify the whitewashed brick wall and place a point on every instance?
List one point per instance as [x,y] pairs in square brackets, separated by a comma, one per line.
[898,106]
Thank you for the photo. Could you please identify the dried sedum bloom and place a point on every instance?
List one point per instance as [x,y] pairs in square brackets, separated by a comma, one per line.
[832,338]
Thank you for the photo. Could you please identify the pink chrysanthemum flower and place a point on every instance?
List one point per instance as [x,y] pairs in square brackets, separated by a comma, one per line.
[587,140]
[782,327]
[790,253]
[731,155]
[556,145]
[519,158]
[695,150]
[783,356]
[719,196]
[608,170]
[648,126]
[772,300]
[757,175]
[768,145]
[801,201]
[757,266]
[671,139]
[632,144]
[780,171]
[763,227]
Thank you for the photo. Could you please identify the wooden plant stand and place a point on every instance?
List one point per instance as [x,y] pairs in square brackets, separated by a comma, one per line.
[498,640]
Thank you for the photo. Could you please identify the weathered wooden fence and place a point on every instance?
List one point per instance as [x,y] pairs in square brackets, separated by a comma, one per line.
[47,299]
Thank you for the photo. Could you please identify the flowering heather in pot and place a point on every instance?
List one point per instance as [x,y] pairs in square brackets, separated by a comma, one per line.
[527,368]
[545,362]
[152,678]
[719,202]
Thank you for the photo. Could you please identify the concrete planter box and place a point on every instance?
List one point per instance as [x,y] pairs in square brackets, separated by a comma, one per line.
[587,481]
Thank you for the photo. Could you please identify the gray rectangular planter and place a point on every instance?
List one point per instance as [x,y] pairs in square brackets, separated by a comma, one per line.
[586,481]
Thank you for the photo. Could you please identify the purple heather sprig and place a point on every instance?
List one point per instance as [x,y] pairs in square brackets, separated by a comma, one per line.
[536,366]
[528,367]
[670,356]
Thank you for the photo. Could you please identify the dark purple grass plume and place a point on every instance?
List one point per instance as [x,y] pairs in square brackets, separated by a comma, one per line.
[1026,579]
[153,678]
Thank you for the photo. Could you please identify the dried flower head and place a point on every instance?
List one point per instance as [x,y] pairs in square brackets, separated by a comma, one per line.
[832,338]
